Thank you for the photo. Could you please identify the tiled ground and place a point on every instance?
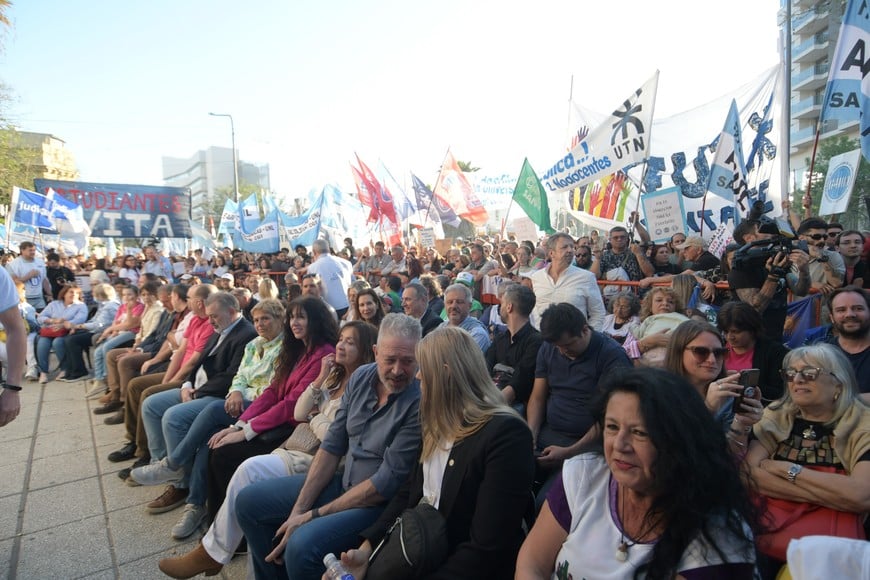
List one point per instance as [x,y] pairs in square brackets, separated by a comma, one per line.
[63,511]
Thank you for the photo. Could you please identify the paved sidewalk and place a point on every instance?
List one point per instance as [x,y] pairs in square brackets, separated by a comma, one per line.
[63,511]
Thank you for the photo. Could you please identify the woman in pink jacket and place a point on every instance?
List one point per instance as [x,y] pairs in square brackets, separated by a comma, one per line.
[269,420]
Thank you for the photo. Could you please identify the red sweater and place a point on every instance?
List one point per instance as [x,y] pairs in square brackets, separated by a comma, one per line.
[274,407]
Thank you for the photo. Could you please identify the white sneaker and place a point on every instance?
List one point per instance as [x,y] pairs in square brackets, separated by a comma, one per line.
[156,473]
[32,374]
[191,519]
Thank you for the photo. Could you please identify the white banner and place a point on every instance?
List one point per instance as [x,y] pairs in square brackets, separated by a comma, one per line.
[842,171]
[620,140]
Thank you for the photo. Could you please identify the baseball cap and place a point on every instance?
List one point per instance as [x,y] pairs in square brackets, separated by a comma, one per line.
[229,277]
[186,276]
[465,278]
[691,241]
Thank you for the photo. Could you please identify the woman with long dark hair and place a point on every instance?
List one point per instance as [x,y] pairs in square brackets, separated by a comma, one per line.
[659,496]
[368,307]
[310,335]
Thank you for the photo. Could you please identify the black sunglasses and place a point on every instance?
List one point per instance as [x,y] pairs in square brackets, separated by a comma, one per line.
[817,237]
[702,353]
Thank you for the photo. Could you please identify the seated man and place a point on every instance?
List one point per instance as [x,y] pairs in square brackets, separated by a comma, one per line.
[415,301]
[512,356]
[457,301]
[571,362]
[377,431]
[168,415]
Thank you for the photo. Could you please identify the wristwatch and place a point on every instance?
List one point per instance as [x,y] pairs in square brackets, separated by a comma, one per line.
[793,472]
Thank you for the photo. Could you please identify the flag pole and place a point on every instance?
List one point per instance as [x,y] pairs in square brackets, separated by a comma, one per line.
[640,190]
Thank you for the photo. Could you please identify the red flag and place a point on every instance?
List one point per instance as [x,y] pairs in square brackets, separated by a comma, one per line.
[380,195]
[453,187]
[365,195]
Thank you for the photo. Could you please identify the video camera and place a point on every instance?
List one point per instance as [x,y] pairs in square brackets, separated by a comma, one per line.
[755,254]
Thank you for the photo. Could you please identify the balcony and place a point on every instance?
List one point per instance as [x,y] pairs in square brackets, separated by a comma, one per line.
[807,108]
[810,20]
[811,50]
[810,78]
[803,136]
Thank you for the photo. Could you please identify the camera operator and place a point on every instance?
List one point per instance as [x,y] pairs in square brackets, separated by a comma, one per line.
[827,269]
[766,288]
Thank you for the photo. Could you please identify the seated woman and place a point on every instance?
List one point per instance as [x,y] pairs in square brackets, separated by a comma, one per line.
[322,399]
[270,419]
[658,497]
[661,312]
[121,332]
[368,307]
[476,465]
[812,449]
[355,288]
[68,307]
[696,352]
[267,289]
[748,348]
[623,318]
[73,364]
[148,294]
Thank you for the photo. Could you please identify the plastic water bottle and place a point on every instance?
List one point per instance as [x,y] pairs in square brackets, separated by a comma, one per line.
[335,570]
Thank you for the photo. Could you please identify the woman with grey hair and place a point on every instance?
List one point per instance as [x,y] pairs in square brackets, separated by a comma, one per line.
[623,317]
[812,453]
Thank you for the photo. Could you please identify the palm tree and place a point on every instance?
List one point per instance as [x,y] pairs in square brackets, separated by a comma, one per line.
[465,166]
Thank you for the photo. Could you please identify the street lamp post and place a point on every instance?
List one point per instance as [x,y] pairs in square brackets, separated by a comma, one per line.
[235,161]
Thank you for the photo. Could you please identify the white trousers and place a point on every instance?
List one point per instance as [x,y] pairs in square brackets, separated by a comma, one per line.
[225,534]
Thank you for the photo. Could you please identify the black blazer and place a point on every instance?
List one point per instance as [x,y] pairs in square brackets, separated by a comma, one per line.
[430,322]
[485,493]
[767,358]
[223,365]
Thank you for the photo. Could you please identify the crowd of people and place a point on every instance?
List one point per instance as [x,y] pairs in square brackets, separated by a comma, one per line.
[570,407]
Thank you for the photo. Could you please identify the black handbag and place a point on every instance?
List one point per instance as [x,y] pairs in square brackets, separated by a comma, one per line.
[414,546]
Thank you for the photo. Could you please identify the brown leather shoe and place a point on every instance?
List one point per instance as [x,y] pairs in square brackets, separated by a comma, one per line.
[107,398]
[115,419]
[109,407]
[171,499]
[194,562]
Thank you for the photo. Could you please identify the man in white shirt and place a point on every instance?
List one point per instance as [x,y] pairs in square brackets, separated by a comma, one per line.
[563,282]
[335,276]
[157,264]
[29,270]
[398,263]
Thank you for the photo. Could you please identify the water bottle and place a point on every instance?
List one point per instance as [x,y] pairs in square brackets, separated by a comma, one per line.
[335,570]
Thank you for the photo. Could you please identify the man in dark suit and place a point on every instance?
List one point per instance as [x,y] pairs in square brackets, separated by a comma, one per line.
[415,302]
[170,416]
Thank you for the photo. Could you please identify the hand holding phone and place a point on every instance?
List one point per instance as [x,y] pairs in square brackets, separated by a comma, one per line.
[749,380]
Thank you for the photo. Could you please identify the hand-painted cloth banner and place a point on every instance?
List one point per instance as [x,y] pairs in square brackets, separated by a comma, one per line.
[127,211]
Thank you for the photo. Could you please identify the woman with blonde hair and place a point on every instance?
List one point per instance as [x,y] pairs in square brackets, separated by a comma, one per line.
[267,289]
[476,465]
[661,311]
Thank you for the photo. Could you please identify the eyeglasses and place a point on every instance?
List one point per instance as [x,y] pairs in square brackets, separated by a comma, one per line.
[816,237]
[834,234]
[702,353]
[808,374]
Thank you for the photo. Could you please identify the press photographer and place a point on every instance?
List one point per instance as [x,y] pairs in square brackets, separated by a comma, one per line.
[765,268]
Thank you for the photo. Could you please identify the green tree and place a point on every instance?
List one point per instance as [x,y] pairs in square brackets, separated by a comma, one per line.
[467,167]
[855,217]
[18,163]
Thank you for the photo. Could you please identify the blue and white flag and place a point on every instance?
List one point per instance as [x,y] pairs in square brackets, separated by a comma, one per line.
[70,215]
[264,237]
[31,209]
[269,203]
[229,218]
[406,207]
[302,229]
[433,206]
[728,174]
[799,320]
[249,212]
[847,94]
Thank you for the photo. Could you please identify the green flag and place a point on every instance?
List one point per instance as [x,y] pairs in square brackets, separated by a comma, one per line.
[530,195]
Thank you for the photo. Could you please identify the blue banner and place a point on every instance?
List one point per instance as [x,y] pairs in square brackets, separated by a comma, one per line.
[263,237]
[800,319]
[33,209]
[127,211]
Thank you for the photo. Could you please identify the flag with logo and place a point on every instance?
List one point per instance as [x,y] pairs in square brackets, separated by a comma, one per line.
[433,207]
[799,319]
[529,194]
[453,187]
[839,182]
[31,209]
[620,141]
[263,237]
[69,215]
[406,208]
[728,174]
[249,213]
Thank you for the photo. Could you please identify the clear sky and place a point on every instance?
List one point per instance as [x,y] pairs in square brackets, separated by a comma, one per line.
[310,82]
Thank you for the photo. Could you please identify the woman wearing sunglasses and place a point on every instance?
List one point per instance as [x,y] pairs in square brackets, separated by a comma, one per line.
[697,352]
[811,459]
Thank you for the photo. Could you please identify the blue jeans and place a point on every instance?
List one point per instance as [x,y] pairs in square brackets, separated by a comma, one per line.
[103,349]
[193,446]
[165,435]
[43,351]
[263,506]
